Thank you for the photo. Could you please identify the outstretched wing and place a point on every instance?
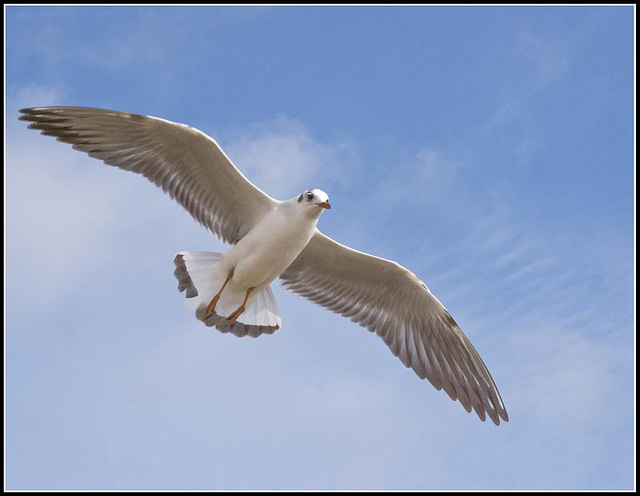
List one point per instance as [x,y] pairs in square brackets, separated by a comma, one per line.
[391,301]
[184,162]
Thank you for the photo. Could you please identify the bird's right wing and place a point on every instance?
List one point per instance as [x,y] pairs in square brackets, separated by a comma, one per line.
[391,301]
[183,161]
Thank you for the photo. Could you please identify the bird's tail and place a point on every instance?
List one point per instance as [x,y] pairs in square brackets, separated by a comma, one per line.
[200,276]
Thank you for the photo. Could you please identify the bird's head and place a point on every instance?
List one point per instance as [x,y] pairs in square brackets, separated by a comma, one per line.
[314,201]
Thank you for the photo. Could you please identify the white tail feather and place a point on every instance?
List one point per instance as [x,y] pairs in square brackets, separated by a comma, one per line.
[201,276]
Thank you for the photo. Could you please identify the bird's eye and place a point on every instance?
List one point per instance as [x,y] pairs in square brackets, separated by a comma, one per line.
[309,196]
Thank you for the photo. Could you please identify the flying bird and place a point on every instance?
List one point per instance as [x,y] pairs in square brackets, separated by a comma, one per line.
[271,239]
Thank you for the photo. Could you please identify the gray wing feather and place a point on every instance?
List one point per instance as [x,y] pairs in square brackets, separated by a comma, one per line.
[186,163]
[392,302]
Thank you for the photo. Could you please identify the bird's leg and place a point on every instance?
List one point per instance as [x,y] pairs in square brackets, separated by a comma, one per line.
[232,318]
[214,301]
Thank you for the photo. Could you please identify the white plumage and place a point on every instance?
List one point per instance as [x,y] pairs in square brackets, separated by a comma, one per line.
[273,239]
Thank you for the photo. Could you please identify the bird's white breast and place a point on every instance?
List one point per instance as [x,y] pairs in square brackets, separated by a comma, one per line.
[270,247]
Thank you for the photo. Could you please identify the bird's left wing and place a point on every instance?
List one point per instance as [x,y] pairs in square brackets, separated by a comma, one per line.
[391,301]
[183,161]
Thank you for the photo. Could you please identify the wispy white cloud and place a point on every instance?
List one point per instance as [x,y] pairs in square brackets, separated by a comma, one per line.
[428,178]
[549,58]
[283,158]
[536,62]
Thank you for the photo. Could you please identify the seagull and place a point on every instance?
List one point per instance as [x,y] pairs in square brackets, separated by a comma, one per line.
[270,238]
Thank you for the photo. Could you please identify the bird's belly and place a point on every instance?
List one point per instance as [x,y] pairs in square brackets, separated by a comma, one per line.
[260,268]
[258,260]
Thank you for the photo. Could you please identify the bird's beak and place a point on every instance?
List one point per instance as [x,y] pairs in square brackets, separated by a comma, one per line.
[325,204]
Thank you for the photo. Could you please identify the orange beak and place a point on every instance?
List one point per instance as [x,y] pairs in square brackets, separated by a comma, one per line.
[325,204]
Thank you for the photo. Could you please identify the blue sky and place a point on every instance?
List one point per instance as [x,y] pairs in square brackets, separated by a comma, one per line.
[489,150]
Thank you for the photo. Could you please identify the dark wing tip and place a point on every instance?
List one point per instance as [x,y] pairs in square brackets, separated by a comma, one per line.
[497,414]
[504,415]
[35,110]
[27,114]
[35,114]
